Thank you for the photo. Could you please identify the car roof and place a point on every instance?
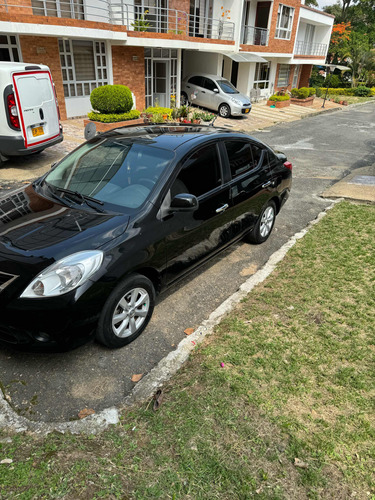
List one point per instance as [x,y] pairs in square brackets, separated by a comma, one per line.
[207,75]
[170,137]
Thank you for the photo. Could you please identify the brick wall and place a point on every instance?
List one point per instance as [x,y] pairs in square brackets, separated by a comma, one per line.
[45,50]
[18,7]
[305,75]
[130,73]
[274,44]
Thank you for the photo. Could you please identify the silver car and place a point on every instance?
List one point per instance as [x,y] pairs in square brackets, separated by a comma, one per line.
[216,93]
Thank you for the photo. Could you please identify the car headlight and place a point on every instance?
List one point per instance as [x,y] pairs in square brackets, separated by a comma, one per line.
[237,101]
[65,275]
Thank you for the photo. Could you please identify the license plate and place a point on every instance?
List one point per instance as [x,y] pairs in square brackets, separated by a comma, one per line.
[37,131]
[247,110]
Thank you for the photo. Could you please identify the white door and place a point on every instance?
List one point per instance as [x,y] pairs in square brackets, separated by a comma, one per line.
[37,106]
[309,39]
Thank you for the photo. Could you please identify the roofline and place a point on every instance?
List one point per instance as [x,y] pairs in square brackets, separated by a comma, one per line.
[317,11]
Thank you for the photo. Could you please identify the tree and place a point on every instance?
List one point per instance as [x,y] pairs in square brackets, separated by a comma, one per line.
[339,41]
[358,56]
[311,3]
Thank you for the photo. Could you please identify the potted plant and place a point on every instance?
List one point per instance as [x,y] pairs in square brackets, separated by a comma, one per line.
[279,101]
[196,117]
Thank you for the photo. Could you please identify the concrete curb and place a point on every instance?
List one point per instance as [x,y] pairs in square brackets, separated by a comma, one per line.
[165,369]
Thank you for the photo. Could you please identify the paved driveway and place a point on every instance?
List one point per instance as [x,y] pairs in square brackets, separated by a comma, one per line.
[54,387]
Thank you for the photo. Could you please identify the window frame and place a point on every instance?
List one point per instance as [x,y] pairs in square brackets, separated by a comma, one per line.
[279,29]
[287,77]
[12,46]
[251,170]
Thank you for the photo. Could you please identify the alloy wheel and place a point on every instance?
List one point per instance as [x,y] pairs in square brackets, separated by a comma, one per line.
[130,312]
[266,222]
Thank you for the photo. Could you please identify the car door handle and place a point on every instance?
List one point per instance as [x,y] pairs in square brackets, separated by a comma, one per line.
[266,184]
[222,209]
[203,91]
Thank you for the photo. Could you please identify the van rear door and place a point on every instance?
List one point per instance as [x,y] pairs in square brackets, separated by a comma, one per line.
[37,106]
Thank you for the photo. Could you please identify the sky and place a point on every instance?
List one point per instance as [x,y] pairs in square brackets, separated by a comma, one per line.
[322,3]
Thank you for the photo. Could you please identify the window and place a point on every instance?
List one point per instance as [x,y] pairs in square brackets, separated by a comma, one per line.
[295,76]
[59,8]
[227,87]
[83,66]
[9,48]
[284,22]
[262,75]
[169,58]
[243,156]
[209,84]
[201,172]
[196,80]
[283,79]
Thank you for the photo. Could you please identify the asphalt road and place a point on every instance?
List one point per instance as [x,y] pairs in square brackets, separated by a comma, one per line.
[55,387]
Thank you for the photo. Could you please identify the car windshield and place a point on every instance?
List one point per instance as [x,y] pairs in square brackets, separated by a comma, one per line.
[227,87]
[118,171]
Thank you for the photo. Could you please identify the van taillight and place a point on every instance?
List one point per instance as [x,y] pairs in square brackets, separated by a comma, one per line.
[288,165]
[12,112]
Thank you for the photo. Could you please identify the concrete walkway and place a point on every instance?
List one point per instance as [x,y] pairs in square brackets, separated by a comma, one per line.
[357,186]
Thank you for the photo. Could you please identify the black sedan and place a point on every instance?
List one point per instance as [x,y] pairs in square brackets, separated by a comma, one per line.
[86,247]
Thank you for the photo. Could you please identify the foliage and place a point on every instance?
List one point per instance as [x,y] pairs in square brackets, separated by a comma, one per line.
[196,115]
[158,110]
[301,93]
[207,117]
[141,24]
[184,111]
[157,118]
[362,91]
[333,81]
[316,79]
[312,91]
[311,3]
[114,117]
[338,91]
[318,92]
[112,99]
[279,97]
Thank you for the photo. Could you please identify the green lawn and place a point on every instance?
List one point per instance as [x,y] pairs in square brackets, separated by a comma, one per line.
[297,387]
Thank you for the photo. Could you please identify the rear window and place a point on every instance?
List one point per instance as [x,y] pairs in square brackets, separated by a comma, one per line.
[243,156]
[116,171]
[34,91]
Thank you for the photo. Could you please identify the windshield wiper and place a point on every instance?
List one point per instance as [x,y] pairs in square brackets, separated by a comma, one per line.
[83,198]
[55,196]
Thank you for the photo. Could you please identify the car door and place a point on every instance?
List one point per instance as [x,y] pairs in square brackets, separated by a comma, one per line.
[252,184]
[194,87]
[194,236]
[211,94]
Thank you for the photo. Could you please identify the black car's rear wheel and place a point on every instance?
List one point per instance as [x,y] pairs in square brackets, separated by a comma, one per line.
[264,224]
[126,312]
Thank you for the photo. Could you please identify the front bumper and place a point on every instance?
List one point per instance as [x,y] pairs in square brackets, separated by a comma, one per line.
[237,110]
[56,323]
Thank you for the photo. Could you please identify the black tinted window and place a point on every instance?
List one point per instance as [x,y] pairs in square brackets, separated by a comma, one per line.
[201,172]
[257,155]
[196,80]
[240,157]
[209,84]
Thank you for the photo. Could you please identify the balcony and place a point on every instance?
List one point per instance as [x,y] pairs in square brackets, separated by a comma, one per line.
[310,49]
[255,36]
[133,18]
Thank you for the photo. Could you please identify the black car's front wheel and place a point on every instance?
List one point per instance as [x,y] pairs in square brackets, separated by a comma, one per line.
[127,311]
[264,224]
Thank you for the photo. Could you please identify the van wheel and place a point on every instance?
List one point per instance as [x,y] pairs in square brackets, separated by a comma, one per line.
[127,311]
[224,110]
[264,224]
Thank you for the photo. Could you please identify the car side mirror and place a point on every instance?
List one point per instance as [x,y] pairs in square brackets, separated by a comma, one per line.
[184,202]
[216,91]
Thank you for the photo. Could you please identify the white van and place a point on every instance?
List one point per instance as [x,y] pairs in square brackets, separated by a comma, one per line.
[29,113]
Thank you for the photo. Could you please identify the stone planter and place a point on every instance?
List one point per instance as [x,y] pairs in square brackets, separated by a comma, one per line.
[103,127]
[309,101]
[279,104]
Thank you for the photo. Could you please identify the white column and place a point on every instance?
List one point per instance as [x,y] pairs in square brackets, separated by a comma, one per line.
[178,86]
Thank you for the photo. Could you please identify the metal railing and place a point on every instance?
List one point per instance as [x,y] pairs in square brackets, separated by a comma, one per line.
[310,49]
[255,36]
[134,18]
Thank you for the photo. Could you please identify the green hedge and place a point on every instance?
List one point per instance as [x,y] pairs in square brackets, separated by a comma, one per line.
[158,110]
[302,93]
[338,91]
[114,117]
[110,99]
[279,98]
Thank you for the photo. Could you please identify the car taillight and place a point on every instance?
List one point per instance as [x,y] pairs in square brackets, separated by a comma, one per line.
[288,165]
[12,112]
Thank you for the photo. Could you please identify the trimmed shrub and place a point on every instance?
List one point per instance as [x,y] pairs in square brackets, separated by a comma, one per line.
[279,98]
[294,92]
[301,93]
[312,91]
[372,91]
[339,91]
[110,99]
[333,80]
[114,117]
[318,92]
[362,91]
[158,110]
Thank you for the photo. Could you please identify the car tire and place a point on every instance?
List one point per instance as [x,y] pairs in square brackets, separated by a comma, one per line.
[119,323]
[264,225]
[184,99]
[224,111]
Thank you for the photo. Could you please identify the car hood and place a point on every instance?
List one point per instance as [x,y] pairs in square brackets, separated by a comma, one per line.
[241,97]
[33,225]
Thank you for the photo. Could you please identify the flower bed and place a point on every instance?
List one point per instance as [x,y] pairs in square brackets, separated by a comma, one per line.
[279,104]
[103,127]
[309,101]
